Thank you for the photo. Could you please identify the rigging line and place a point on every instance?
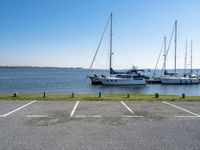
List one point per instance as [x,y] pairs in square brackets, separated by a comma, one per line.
[158,58]
[169,46]
[191,58]
[99,43]
[185,65]
[107,59]
[121,44]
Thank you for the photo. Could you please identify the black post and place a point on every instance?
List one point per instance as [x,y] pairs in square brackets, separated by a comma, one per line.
[44,94]
[156,95]
[128,95]
[183,95]
[99,94]
[73,95]
[15,94]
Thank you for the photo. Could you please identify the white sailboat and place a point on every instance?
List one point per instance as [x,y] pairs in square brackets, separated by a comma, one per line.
[191,75]
[173,78]
[179,80]
[130,77]
[155,79]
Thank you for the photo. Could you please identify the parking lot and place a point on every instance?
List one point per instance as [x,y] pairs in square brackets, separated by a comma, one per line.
[99,125]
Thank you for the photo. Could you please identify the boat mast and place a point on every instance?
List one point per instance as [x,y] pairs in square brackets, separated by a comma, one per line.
[191,58]
[110,42]
[165,54]
[175,46]
[185,56]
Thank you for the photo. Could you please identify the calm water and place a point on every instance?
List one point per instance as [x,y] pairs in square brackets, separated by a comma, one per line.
[52,80]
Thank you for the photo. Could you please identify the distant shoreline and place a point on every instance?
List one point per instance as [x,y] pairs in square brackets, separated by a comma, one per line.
[81,68]
[14,67]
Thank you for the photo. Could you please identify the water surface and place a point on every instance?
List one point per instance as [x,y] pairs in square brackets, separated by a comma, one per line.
[62,80]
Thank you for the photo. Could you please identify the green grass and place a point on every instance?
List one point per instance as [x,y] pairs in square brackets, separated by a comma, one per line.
[94,97]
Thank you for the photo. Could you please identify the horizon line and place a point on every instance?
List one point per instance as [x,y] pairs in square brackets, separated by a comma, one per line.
[9,66]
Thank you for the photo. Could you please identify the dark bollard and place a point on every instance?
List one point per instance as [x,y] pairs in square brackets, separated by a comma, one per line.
[128,95]
[156,95]
[73,95]
[15,94]
[183,95]
[99,94]
[44,94]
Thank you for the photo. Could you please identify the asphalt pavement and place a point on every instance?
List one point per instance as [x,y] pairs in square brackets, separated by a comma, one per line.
[99,125]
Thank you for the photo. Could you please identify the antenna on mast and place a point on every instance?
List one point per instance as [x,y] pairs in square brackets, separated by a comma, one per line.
[185,57]
[191,58]
[175,46]
[111,43]
[165,54]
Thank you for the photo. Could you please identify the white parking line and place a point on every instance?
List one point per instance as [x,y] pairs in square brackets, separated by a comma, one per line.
[187,116]
[133,116]
[36,116]
[127,107]
[197,115]
[83,116]
[74,109]
[18,109]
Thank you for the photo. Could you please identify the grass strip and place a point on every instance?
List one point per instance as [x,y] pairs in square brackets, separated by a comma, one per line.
[95,97]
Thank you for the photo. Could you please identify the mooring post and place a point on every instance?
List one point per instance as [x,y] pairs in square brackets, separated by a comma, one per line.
[73,95]
[183,95]
[156,95]
[15,94]
[128,95]
[99,94]
[44,94]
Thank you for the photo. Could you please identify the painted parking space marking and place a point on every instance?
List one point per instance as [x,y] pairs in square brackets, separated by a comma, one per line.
[183,109]
[133,116]
[37,116]
[102,112]
[105,109]
[84,116]
[129,109]
[74,109]
[19,108]
[187,116]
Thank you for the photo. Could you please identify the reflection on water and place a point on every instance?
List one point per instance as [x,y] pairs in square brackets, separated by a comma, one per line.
[151,89]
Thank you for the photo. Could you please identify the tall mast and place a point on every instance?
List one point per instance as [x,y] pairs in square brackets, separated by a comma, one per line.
[175,46]
[191,58]
[165,55]
[110,42]
[185,56]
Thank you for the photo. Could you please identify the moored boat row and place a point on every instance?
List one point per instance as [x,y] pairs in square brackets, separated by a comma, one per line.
[135,76]
[174,78]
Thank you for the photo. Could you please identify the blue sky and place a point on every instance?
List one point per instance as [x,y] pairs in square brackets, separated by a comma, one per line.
[65,33]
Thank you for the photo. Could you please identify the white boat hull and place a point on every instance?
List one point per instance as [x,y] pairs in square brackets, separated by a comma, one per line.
[179,80]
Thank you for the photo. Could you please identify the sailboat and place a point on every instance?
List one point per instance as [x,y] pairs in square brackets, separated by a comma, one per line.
[130,77]
[173,78]
[155,79]
[190,73]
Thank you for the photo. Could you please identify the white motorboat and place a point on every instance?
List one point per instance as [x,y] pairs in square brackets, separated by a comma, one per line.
[131,77]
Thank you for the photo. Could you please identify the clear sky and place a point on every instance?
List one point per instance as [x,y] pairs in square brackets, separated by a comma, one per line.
[65,33]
